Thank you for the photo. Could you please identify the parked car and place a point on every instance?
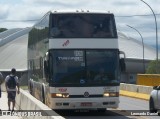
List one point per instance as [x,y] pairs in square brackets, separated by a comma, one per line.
[154,102]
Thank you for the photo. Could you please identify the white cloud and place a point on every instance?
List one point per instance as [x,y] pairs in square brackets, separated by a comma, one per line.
[4,11]
[35,9]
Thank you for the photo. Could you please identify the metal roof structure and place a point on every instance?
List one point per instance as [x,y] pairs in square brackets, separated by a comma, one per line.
[8,32]
[134,48]
[14,52]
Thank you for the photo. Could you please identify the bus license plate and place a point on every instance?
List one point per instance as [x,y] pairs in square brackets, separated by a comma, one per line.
[86,104]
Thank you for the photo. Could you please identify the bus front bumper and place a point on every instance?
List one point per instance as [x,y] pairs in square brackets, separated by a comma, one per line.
[85,103]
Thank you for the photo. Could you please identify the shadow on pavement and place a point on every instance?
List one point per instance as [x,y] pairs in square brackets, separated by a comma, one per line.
[82,114]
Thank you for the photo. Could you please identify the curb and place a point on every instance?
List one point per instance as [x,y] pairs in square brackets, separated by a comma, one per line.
[135,95]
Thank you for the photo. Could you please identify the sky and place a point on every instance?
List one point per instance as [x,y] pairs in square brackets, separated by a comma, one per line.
[25,13]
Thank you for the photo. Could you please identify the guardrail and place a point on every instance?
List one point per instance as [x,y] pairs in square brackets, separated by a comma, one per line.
[135,91]
[26,102]
[136,88]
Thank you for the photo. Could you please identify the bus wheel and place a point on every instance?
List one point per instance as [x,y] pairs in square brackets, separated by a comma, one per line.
[31,88]
[43,95]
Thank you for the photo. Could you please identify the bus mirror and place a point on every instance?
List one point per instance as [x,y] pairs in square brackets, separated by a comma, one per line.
[122,65]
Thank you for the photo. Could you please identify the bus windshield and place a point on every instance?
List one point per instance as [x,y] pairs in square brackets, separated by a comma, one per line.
[82,26]
[84,67]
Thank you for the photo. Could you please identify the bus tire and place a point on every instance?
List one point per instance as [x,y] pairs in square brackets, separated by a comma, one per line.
[30,88]
[43,95]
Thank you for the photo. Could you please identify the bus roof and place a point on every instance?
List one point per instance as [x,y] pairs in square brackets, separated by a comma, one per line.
[81,11]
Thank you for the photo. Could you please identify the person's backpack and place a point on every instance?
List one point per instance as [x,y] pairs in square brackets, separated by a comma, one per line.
[11,84]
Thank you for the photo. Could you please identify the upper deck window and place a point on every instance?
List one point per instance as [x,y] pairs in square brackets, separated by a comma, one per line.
[82,26]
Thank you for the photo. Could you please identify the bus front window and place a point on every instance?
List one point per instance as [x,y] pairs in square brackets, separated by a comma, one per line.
[68,66]
[102,66]
[85,67]
[83,26]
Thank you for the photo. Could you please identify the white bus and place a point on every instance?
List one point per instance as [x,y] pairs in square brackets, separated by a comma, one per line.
[74,60]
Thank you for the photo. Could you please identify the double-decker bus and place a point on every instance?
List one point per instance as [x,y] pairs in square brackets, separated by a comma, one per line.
[74,60]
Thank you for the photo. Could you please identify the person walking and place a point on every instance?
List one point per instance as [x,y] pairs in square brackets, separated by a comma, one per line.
[11,82]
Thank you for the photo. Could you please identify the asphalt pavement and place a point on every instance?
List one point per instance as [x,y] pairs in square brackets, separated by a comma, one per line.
[4,108]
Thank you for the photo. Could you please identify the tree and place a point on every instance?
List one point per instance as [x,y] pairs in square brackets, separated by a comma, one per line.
[153,67]
[3,29]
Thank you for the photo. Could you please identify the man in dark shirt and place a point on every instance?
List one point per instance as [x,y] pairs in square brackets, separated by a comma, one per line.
[11,90]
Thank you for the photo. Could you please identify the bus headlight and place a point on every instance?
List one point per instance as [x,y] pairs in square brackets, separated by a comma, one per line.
[111,94]
[106,94]
[60,95]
